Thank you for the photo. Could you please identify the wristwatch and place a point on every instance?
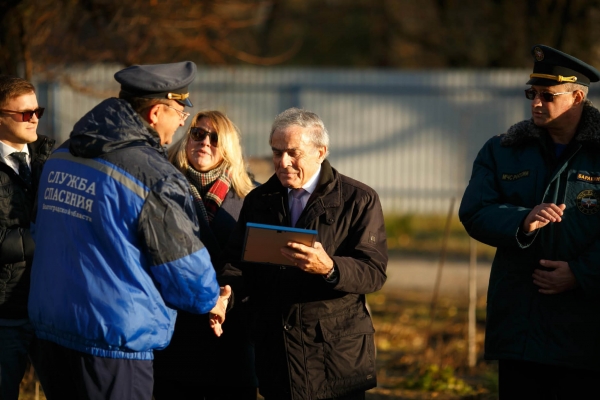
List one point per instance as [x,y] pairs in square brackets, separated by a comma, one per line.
[332,275]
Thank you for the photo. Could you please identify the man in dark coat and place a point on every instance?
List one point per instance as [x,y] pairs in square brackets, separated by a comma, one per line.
[22,156]
[534,195]
[312,331]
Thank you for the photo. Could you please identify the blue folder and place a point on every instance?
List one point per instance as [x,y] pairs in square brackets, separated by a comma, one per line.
[263,242]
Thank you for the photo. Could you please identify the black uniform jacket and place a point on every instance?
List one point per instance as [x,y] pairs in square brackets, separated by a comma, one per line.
[512,174]
[314,339]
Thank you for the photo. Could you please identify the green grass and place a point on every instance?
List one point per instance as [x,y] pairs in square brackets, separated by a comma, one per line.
[424,234]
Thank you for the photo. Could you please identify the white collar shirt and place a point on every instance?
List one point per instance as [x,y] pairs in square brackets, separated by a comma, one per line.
[6,151]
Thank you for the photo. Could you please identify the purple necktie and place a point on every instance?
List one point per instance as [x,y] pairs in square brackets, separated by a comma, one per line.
[297,207]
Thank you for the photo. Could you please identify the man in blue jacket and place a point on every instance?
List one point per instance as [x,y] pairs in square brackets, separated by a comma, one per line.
[534,194]
[118,246]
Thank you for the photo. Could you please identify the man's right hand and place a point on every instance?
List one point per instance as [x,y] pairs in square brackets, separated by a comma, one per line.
[542,215]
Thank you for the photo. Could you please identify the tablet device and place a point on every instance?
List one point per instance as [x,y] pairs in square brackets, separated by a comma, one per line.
[263,242]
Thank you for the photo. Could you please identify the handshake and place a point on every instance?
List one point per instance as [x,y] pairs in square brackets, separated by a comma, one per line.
[217,314]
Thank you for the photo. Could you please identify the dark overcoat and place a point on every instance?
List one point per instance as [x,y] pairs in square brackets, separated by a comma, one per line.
[314,339]
[512,174]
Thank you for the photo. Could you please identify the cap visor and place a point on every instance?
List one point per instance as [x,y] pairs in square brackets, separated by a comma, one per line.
[542,82]
[186,102]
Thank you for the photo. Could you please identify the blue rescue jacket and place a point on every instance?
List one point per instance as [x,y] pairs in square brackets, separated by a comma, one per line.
[117,241]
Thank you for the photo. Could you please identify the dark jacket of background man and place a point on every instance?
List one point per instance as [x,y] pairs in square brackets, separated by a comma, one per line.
[19,178]
[16,244]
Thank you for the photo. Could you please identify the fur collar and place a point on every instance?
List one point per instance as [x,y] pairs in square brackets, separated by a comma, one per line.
[587,131]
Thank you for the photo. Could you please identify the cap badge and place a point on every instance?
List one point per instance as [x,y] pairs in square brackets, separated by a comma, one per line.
[538,53]
[178,96]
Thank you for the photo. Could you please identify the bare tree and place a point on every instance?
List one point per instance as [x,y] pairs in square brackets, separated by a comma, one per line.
[52,34]
[10,36]
[493,33]
[46,35]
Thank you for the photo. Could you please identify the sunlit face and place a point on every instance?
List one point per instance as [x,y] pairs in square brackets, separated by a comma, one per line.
[13,131]
[295,158]
[169,120]
[548,114]
[202,155]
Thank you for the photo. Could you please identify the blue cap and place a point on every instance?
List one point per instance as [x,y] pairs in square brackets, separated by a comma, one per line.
[158,81]
[553,67]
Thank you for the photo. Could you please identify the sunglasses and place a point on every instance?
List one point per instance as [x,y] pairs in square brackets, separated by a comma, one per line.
[546,96]
[199,134]
[27,115]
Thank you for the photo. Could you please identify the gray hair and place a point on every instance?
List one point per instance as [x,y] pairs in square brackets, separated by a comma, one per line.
[571,87]
[318,135]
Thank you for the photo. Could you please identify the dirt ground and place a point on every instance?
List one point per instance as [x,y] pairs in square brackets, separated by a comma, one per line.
[422,339]
[418,357]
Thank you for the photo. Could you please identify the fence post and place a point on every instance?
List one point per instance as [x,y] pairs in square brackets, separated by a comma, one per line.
[438,279]
[472,322]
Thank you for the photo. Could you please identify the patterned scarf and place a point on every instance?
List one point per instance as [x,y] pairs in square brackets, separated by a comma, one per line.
[209,190]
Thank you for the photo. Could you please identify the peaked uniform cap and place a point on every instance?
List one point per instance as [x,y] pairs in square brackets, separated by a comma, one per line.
[158,81]
[553,67]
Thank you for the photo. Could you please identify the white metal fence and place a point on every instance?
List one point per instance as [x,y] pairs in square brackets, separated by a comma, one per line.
[411,135]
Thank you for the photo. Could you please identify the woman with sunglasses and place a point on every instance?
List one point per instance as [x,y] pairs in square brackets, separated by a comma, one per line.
[196,361]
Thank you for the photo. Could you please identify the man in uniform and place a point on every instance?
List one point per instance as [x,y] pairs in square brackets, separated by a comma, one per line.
[118,243]
[22,156]
[312,331]
[533,194]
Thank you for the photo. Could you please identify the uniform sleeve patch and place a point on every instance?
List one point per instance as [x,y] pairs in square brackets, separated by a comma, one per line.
[587,202]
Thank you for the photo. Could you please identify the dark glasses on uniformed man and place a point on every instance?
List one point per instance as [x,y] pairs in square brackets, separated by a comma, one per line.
[199,134]
[27,115]
[546,96]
